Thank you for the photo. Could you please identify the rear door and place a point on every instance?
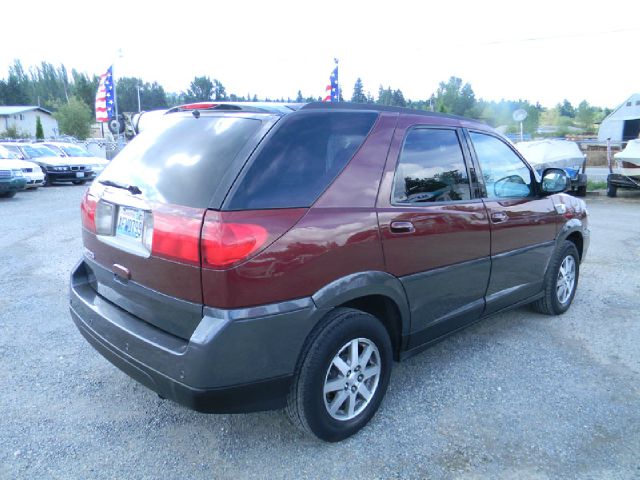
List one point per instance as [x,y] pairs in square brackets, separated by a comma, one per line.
[435,234]
[523,223]
[143,216]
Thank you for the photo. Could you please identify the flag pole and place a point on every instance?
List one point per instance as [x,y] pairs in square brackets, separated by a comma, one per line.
[115,97]
[337,78]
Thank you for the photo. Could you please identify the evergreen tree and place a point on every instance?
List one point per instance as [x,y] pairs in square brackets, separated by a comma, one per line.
[39,129]
[358,92]
[455,98]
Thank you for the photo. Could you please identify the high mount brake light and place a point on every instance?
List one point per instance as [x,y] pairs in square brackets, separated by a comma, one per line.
[198,106]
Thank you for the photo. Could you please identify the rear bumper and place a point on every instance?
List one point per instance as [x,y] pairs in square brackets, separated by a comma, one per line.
[235,361]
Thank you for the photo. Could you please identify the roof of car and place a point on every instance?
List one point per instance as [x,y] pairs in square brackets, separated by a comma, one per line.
[285,108]
[380,108]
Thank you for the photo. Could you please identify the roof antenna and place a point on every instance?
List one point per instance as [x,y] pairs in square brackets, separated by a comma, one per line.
[196,113]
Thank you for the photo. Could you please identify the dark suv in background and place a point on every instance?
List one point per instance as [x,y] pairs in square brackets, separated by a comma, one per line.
[241,257]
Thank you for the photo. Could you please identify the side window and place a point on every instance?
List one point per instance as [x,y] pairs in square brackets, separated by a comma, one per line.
[302,158]
[505,175]
[431,168]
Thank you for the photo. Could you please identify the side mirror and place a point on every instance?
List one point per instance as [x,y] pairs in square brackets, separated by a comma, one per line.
[554,180]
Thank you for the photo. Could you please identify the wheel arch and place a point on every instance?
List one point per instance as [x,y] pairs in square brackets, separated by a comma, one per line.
[377,293]
[572,231]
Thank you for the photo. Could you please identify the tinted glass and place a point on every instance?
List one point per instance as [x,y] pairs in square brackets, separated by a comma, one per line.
[303,156]
[431,168]
[181,158]
[505,174]
[38,151]
[13,149]
[5,153]
[75,151]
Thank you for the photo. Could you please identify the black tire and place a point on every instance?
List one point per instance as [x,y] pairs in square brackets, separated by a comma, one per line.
[307,402]
[612,190]
[8,194]
[79,182]
[581,191]
[550,304]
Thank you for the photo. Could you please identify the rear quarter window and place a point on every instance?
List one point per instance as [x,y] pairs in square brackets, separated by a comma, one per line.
[300,159]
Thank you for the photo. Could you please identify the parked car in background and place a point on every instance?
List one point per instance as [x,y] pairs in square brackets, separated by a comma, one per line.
[55,168]
[562,154]
[31,171]
[12,179]
[240,257]
[77,153]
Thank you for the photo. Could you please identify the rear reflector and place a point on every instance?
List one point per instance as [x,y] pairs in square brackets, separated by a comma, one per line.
[88,211]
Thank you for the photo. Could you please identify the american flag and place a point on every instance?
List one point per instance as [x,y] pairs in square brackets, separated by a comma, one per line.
[104,97]
[333,90]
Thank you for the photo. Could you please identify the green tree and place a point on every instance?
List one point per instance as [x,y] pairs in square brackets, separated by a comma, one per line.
[566,109]
[18,89]
[358,92]
[385,96]
[299,97]
[455,98]
[201,89]
[219,92]
[85,87]
[39,129]
[585,116]
[74,118]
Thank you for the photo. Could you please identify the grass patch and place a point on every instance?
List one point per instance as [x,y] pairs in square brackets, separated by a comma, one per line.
[592,185]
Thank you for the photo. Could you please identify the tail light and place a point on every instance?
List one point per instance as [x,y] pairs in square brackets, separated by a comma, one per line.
[88,211]
[224,244]
[177,236]
[229,238]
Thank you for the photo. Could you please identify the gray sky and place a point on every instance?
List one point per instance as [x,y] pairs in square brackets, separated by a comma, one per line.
[538,50]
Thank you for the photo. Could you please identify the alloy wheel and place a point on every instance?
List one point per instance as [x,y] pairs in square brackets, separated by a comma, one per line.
[352,379]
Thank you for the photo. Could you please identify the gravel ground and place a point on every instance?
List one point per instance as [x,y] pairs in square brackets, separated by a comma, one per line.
[519,395]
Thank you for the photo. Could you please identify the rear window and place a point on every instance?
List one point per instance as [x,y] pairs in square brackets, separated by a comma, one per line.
[300,159]
[182,158]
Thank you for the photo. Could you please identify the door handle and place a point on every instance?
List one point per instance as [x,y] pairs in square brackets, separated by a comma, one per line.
[499,217]
[402,227]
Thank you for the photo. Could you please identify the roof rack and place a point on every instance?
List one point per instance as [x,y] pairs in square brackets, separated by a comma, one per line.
[379,108]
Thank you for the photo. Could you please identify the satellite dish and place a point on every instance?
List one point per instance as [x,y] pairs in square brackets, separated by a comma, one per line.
[519,115]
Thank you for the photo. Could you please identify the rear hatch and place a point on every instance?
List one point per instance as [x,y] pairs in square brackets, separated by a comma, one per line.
[142,218]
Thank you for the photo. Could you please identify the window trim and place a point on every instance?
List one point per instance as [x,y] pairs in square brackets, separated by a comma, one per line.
[465,159]
[535,193]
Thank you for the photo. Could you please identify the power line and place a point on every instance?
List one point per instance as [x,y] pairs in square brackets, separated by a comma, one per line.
[560,36]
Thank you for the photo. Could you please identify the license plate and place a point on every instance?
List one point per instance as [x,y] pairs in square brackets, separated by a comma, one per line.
[79,174]
[130,223]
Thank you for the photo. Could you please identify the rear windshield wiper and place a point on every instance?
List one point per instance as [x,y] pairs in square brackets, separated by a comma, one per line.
[131,188]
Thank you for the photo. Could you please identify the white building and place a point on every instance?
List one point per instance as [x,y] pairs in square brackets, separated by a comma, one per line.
[23,119]
[623,124]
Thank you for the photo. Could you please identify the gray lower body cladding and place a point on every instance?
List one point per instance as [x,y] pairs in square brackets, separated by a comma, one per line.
[235,361]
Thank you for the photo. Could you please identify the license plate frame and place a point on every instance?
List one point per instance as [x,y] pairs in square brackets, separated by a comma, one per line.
[79,174]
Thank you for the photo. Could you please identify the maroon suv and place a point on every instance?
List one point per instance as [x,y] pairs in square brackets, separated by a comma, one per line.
[242,257]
